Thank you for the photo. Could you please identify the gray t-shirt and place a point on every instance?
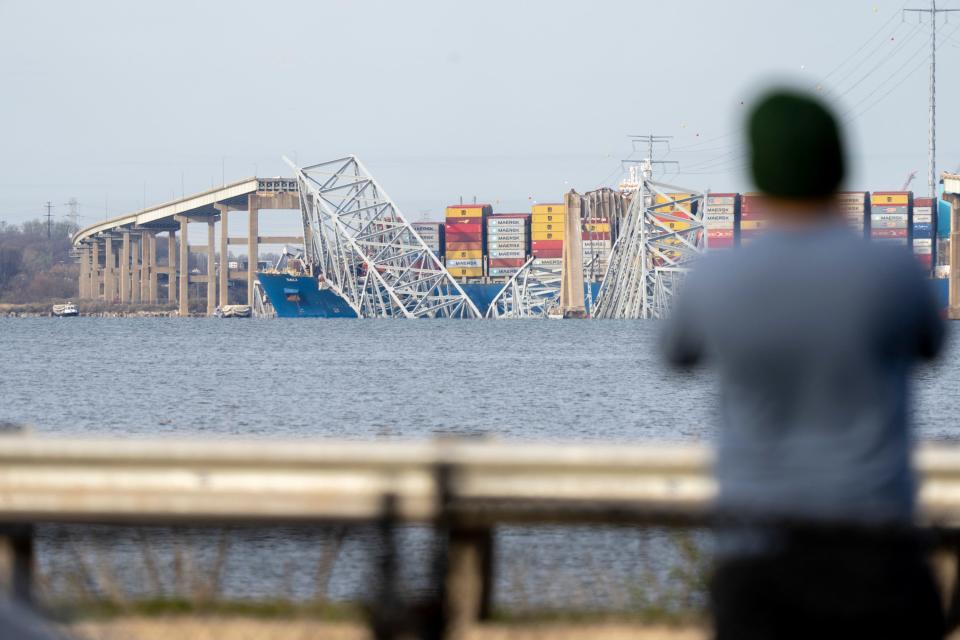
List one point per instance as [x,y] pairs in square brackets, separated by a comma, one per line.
[813,334]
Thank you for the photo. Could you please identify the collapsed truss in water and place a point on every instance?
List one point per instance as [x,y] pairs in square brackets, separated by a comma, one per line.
[659,239]
[532,292]
[360,246]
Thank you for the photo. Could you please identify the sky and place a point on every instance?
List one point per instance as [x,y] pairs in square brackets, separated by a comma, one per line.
[118,104]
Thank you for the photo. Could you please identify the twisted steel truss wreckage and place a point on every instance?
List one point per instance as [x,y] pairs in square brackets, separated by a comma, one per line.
[359,245]
[660,237]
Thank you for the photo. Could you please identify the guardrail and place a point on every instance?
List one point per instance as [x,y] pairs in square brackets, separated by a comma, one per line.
[462,488]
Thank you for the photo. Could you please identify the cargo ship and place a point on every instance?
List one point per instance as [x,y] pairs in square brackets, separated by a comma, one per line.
[483,249]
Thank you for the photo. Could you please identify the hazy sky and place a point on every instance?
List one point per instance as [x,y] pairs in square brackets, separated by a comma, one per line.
[504,100]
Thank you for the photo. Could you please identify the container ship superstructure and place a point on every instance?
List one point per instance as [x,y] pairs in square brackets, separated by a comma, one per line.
[482,249]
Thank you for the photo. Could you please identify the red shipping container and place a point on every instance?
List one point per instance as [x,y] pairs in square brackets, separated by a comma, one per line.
[548,253]
[720,242]
[464,227]
[596,235]
[547,245]
[506,262]
[464,246]
[888,233]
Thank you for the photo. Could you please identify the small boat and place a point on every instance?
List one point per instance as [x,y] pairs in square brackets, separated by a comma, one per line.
[233,311]
[68,310]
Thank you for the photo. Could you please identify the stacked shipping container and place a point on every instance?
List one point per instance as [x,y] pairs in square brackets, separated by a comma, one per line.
[596,246]
[855,206]
[925,232]
[890,216]
[753,217]
[721,218]
[546,233]
[464,237]
[432,235]
[508,241]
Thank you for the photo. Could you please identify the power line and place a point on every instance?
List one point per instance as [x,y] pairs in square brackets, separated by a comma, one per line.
[932,109]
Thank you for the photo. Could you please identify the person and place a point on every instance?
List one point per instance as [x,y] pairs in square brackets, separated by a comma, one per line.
[813,331]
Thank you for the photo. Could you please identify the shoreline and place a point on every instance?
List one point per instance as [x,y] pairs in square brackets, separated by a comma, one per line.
[90,309]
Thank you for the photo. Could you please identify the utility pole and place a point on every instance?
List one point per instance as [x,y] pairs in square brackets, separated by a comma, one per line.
[652,140]
[932,126]
[49,219]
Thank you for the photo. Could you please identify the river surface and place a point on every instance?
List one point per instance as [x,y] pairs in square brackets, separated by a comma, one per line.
[521,380]
[528,380]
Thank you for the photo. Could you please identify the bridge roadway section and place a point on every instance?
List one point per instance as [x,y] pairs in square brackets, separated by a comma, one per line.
[118,257]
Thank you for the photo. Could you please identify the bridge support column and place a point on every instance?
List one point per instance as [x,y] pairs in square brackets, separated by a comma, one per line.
[84,272]
[953,301]
[125,267]
[184,267]
[212,267]
[224,252]
[136,264]
[108,270]
[253,246]
[145,266]
[152,279]
[171,266]
[96,274]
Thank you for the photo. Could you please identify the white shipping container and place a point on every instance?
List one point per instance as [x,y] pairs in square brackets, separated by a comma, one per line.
[721,221]
[506,246]
[508,254]
[719,209]
[720,200]
[923,251]
[922,210]
[922,242]
[507,237]
[465,263]
[506,222]
[498,272]
[549,262]
[922,218]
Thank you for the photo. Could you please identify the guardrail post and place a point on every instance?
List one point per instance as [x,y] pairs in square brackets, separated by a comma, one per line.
[467,589]
[17,561]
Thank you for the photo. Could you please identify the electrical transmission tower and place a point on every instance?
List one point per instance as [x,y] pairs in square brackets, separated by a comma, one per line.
[659,239]
[932,127]
[49,219]
[74,215]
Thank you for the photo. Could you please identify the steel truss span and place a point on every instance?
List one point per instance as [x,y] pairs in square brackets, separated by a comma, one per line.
[650,259]
[360,245]
[532,292]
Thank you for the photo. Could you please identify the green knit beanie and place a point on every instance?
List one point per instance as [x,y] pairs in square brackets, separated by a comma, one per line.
[795,147]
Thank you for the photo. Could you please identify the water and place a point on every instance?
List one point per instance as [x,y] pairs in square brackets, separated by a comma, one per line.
[532,380]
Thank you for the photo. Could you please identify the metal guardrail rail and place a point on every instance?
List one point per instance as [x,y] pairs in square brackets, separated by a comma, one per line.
[462,488]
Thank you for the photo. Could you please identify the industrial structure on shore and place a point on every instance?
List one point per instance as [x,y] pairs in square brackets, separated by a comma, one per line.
[609,253]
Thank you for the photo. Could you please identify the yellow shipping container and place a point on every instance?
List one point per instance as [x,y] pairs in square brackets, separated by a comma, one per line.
[753,225]
[597,228]
[466,272]
[464,212]
[889,198]
[675,225]
[548,217]
[464,255]
[546,235]
[547,226]
[549,208]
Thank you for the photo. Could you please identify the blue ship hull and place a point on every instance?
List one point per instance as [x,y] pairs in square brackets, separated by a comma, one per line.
[300,297]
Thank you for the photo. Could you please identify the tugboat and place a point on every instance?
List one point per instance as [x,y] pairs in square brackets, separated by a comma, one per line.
[68,310]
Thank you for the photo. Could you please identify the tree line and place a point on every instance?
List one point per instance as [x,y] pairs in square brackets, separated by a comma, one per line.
[35,266]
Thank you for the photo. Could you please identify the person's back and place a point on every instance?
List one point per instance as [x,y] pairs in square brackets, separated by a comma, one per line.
[813,332]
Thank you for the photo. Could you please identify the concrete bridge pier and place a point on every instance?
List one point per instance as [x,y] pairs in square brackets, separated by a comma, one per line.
[183,298]
[145,266]
[253,246]
[124,267]
[212,267]
[151,278]
[135,262]
[108,266]
[224,275]
[84,272]
[96,275]
[171,266]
